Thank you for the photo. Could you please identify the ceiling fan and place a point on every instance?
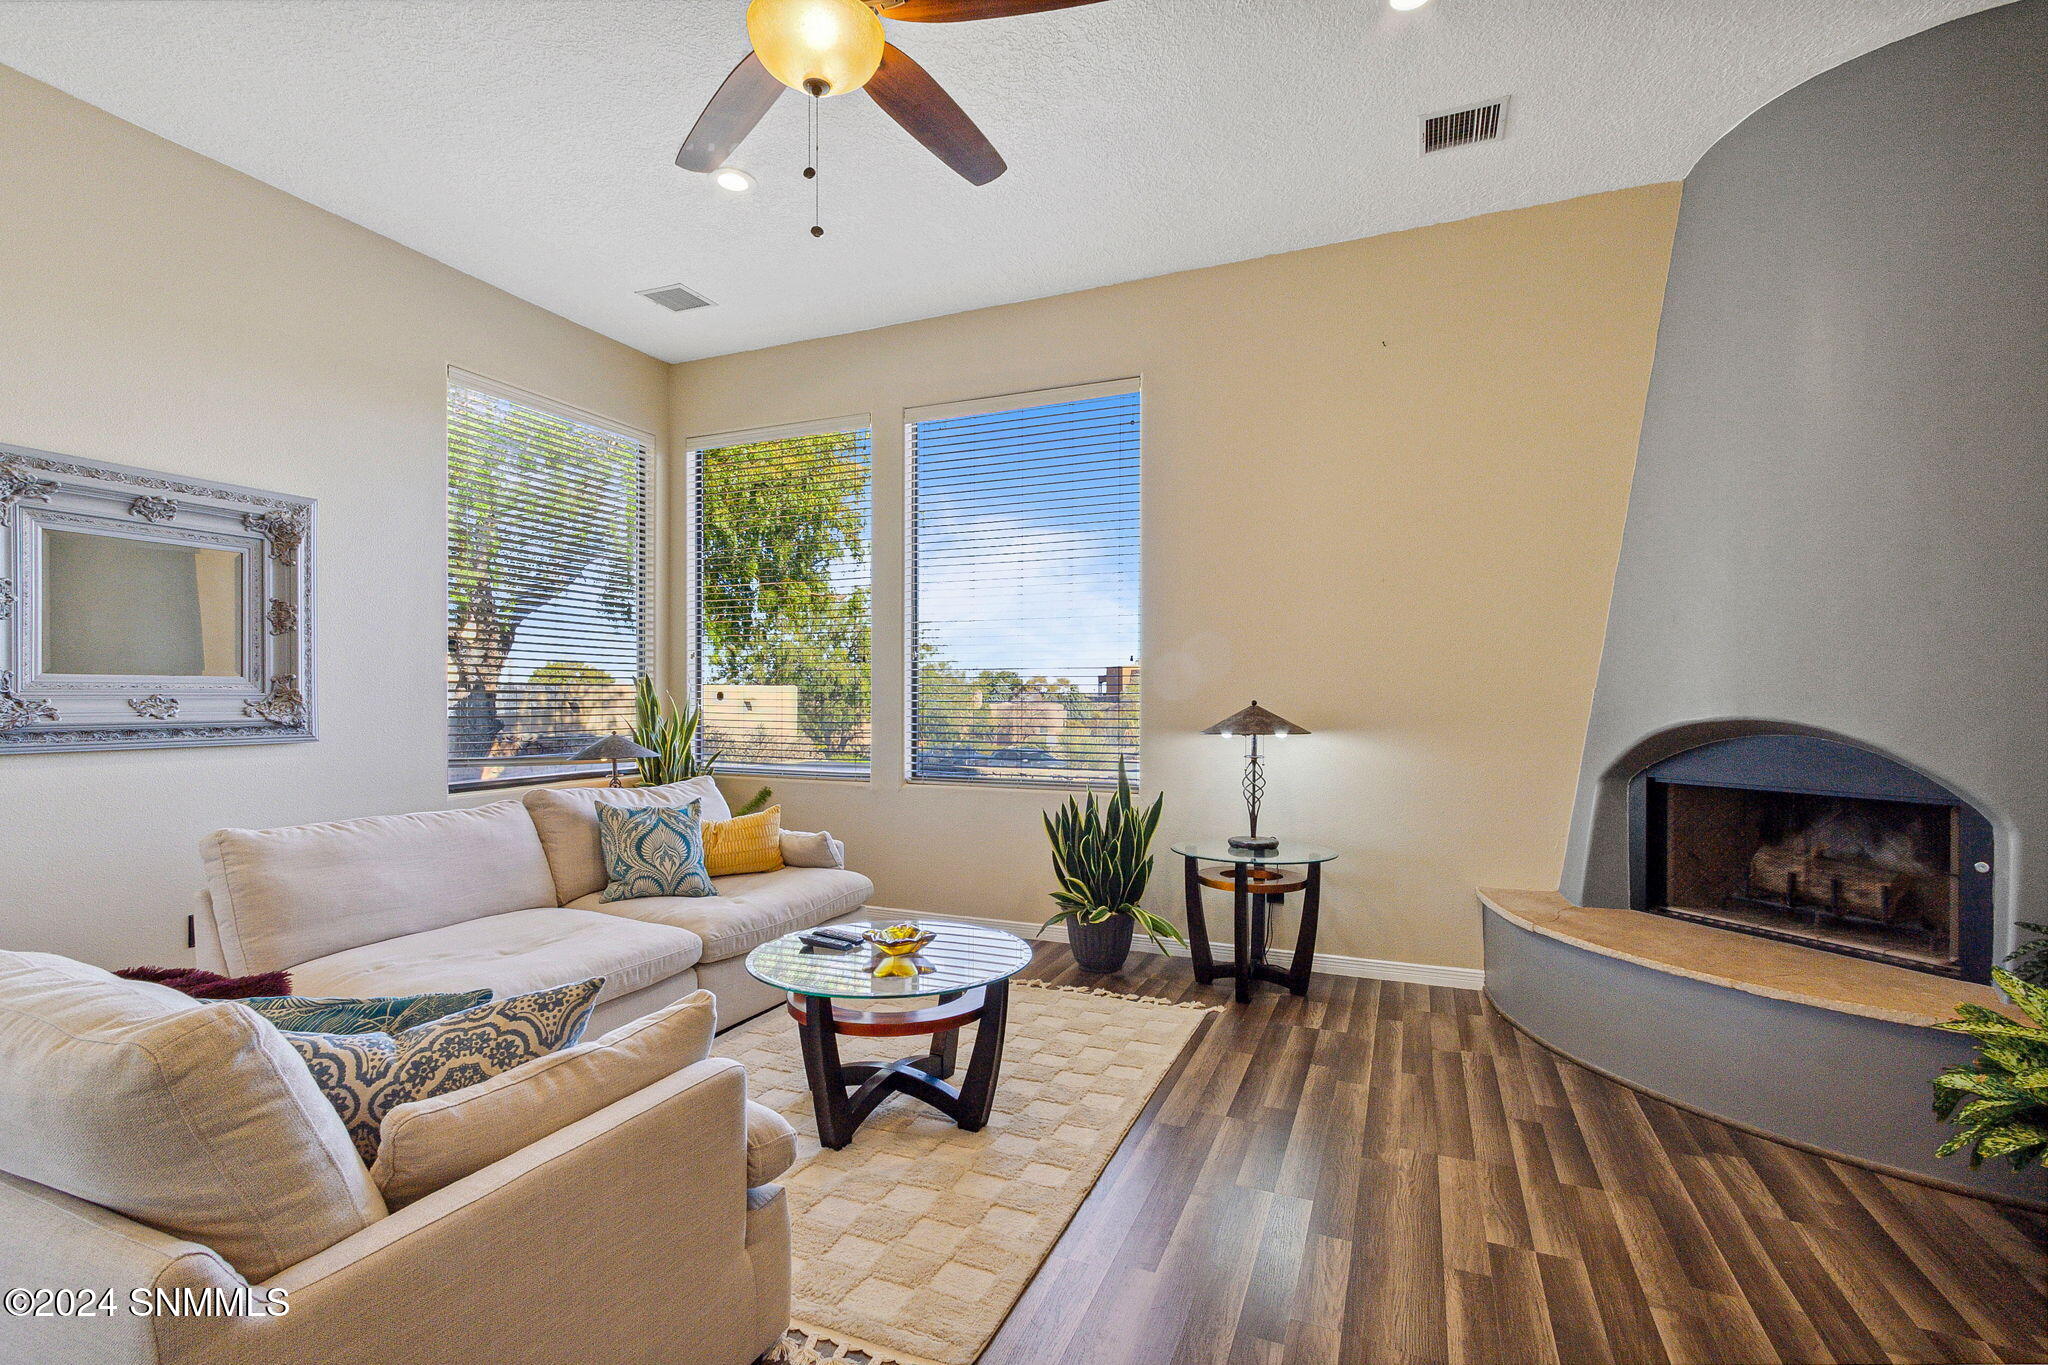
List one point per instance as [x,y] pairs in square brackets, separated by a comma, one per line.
[833,47]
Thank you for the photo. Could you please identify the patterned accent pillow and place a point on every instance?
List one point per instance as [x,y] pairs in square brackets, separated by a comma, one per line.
[653,851]
[377,1014]
[366,1075]
[748,843]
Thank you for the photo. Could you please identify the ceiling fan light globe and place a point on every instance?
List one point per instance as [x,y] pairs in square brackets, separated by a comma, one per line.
[1406,4]
[732,179]
[821,47]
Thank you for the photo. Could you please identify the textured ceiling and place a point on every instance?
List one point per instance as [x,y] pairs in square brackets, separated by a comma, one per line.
[530,142]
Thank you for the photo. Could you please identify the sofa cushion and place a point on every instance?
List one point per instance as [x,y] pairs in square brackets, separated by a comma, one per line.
[750,910]
[744,844]
[366,1075]
[286,896]
[511,954]
[658,851]
[192,1116]
[430,1142]
[566,818]
[376,1014]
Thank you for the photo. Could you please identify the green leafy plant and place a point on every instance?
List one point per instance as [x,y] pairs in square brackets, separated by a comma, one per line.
[2029,961]
[2000,1104]
[1101,856]
[671,731]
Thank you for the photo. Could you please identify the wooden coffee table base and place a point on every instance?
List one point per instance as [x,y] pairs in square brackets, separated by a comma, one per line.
[844,1093]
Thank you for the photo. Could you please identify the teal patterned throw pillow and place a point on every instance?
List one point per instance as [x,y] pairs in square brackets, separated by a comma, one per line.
[377,1014]
[366,1075]
[652,851]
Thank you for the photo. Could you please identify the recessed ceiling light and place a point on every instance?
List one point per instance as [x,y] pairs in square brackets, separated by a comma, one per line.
[1406,4]
[734,179]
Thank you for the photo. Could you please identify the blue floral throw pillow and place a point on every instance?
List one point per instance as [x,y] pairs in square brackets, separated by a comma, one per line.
[366,1075]
[377,1014]
[652,851]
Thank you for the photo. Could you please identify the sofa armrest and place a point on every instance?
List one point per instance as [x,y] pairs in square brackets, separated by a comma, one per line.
[628,1227]
[800,848]
[52,1241]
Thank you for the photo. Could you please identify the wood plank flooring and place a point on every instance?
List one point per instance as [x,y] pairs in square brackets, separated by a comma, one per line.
[1392,1174]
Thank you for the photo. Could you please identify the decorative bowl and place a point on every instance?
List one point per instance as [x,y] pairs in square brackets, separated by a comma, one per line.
[897,943]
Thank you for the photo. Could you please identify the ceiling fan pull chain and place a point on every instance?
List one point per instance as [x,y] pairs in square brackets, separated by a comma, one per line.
[811,173]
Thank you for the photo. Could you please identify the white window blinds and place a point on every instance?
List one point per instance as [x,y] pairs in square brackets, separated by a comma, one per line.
[1024,602]
[547,585]
[781,615]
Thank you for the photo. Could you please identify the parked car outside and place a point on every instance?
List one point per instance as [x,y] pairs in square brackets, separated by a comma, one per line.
[1021,756]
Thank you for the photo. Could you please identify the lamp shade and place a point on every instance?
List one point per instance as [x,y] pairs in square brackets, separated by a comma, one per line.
[821,47]
[1255,720]
[614,749]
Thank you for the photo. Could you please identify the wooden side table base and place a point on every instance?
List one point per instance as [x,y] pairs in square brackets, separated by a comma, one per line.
[843,1094]
[1255,891]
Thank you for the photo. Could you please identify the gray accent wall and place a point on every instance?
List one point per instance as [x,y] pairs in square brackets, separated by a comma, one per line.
[1839,521]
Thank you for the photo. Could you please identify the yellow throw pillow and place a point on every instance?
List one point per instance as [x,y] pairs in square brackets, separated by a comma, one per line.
[752,843]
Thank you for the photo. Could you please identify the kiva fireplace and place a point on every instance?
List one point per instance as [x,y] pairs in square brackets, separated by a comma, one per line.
[1817,842]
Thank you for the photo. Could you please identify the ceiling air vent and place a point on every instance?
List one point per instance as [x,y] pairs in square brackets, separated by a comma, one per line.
[675,298]
[1462,127]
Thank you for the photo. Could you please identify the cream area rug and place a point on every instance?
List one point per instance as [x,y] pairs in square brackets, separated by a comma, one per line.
[912,1244]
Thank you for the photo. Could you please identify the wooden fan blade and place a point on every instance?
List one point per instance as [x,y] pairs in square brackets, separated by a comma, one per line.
[908,94]
[958,11]
[739,104]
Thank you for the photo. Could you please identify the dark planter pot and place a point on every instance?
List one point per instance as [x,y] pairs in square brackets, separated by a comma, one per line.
[1101,947]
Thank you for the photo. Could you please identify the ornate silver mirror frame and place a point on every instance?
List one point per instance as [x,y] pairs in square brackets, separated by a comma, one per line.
[220,581]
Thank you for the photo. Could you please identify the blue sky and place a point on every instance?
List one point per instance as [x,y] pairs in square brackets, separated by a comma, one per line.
[1027,537]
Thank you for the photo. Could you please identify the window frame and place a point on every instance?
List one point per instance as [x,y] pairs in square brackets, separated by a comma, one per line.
[982,407]
[654,595]
[691,452]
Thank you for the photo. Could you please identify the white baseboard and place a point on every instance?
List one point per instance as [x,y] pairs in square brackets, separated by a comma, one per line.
[1334,964]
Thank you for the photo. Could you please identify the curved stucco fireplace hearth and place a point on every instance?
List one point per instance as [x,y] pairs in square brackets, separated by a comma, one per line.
[1834,541]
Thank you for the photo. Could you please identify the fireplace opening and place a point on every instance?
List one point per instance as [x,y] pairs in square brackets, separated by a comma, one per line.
[1820,843]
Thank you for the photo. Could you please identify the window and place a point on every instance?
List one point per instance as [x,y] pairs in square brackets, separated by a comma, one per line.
[1024,600]
[547,584]
[781,617]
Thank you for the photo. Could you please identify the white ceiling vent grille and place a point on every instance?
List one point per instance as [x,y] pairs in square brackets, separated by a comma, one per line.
[1463,127]
[675,298]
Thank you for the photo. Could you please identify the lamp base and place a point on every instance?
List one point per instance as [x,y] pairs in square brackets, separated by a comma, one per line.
[1253,843]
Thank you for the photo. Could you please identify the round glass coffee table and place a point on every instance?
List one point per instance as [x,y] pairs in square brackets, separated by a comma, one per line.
[967,967]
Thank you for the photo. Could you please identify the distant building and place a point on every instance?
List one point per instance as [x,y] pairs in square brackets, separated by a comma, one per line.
[753,722]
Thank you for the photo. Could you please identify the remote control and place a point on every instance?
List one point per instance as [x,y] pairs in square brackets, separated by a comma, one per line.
[830,945]
[845,936]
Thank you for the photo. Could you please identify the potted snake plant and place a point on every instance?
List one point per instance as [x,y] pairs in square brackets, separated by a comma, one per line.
[1101,856]
[671,732]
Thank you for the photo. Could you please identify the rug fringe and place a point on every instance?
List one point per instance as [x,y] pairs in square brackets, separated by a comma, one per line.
[1117,995]
[802,1345]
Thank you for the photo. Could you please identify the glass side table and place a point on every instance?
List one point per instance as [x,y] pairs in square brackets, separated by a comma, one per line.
[967,967]
[1257,882]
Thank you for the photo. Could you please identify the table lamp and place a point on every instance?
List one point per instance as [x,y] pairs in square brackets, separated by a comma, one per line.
[617,748]
[1254,721]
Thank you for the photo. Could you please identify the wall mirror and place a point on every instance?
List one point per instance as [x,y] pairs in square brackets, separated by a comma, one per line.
[143,610]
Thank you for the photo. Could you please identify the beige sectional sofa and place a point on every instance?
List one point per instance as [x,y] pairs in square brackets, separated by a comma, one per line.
[503,895]
[170,1167]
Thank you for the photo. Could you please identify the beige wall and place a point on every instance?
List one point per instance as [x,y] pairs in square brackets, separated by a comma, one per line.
[1405,458]
[1384,487]
[158,309]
